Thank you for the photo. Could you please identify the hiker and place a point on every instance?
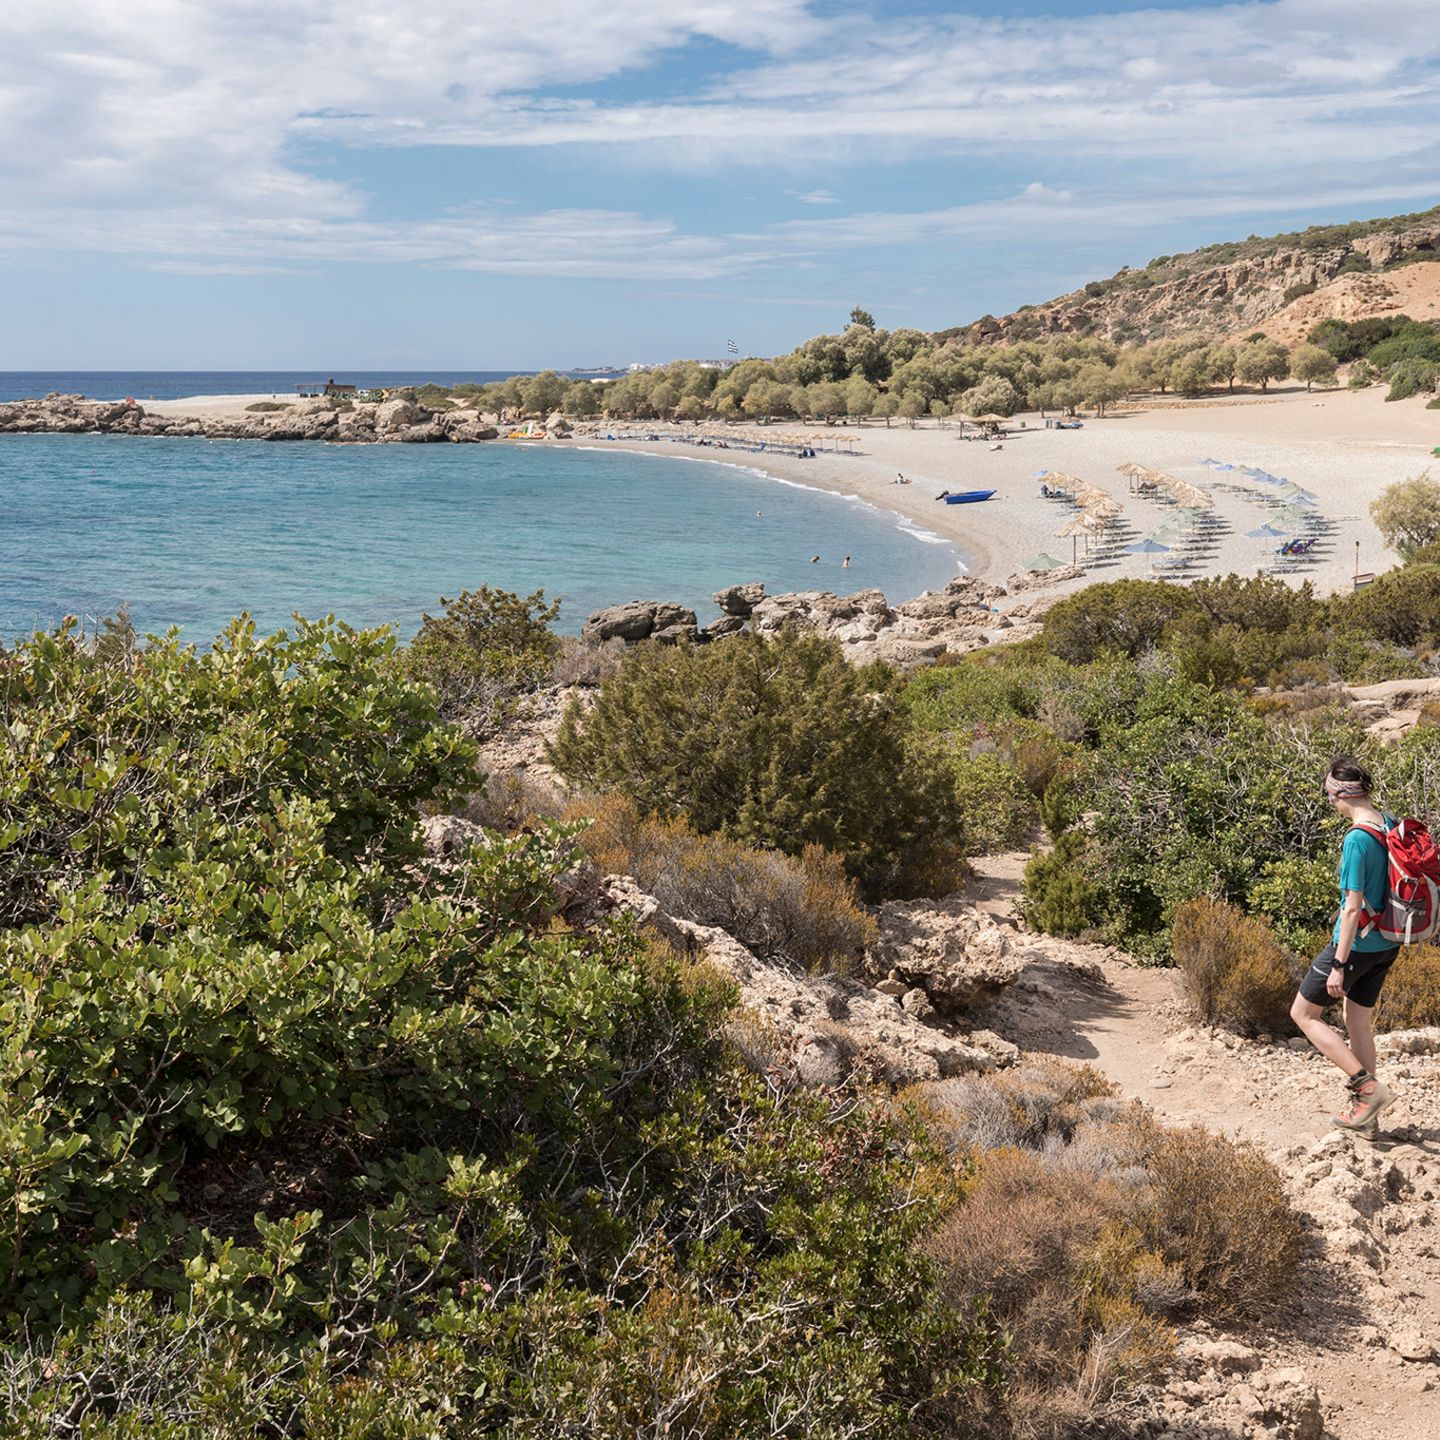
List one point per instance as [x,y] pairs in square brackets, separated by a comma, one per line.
[1354,965]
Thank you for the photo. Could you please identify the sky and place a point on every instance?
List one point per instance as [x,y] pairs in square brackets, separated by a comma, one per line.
[255,184]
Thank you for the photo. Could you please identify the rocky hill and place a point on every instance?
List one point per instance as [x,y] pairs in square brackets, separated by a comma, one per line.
[1281,284]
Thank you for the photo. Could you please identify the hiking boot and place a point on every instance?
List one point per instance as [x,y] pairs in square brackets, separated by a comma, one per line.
[1366,1102]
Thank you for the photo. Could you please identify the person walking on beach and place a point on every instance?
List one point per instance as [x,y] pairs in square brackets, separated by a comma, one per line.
[1353,966]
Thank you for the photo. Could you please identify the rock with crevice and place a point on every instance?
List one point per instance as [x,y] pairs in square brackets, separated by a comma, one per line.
[824,1020]
[956,955]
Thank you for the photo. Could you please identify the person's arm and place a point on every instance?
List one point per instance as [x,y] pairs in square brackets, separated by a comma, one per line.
[1350,915]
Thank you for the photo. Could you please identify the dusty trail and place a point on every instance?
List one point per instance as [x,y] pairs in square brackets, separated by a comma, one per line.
[1366,1321]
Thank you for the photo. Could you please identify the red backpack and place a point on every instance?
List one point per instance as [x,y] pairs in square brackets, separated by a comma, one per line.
[1411,913]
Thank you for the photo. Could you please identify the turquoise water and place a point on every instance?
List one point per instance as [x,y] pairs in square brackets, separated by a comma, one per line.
[190,532]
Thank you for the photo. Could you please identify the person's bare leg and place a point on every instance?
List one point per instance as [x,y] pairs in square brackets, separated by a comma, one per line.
[1308,1017]
[1359,1025]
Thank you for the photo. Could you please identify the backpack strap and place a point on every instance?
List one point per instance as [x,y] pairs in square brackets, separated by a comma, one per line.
[1368,917]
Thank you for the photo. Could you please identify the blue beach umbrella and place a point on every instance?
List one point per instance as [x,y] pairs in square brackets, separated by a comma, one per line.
[1039,474]
[1147,546]
[1266,532]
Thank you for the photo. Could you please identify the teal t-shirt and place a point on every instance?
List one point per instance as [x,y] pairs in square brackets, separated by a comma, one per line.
[1365,866]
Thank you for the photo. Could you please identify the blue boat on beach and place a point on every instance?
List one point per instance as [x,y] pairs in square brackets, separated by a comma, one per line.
[967,497]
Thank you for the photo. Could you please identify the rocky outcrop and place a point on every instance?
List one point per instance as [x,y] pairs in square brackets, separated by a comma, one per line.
[955,955]
[962,616]
[393,421]
[820,1026]
[640,620]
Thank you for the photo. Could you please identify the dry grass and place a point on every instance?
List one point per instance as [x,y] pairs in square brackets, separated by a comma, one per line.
[1411,997]
[1237,973]
[803,909]
[1085,1229]
[1217,1211]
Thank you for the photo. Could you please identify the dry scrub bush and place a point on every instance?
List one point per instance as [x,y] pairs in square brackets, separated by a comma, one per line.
[1237,973]
[579,662]
[1218,1213]
[1040,1249]
[1025,1106]
[1085,1227]
[1411,997]
[803,908]
[512,799]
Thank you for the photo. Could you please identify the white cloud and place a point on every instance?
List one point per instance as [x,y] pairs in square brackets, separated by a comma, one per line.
[172,130]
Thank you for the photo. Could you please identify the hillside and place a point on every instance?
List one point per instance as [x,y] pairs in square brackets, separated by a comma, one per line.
[1282,284]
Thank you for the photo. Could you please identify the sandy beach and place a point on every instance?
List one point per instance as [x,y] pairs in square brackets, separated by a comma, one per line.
[1343,446]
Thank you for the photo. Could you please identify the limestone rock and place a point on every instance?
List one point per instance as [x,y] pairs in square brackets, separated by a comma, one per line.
[399,415]
[639,620]
[816,1018]
[740,600]
[955,953]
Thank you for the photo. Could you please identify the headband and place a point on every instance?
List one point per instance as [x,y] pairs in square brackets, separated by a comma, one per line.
[1344,789]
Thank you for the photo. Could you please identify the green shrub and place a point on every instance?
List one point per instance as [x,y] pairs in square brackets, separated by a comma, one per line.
[803,909]
[486,649]
[1413,377]
[1124,616]
[1062,896]
[1237,973]
[773,742]
[998,808]
[1297,896]
[302,1133]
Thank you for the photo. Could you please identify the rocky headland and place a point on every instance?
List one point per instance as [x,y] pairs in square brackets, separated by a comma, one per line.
[385,422]
[966,614]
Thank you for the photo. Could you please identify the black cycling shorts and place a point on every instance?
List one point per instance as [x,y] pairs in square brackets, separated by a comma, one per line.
[1364,975]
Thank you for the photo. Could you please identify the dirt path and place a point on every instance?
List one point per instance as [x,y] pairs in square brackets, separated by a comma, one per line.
[1366,1329]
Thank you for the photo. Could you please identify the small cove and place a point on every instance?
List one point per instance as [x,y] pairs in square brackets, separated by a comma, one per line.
[190,532]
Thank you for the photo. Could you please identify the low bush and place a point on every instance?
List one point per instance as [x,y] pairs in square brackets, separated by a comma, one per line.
[1085,1229]
[779,743]
[1411,997]
[1062,895]
[802,908]
[1237,973]
[512,800]
[582,662]
[998,807]
[485,650]
[1217,1212]
[1058,1273]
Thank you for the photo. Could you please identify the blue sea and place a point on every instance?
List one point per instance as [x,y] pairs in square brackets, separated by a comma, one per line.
[190,532]
[145,385]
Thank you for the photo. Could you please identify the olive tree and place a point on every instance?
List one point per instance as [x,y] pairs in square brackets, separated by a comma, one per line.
[1407,513]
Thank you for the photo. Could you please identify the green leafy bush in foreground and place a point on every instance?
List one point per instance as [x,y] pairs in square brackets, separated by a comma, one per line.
[301,1134]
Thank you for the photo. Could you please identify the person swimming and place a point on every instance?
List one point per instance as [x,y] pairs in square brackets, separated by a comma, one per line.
[814,559]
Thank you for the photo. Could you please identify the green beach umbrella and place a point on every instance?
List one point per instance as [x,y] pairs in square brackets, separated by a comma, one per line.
[1044,561]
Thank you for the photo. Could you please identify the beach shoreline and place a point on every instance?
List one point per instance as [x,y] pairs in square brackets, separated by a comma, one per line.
[1344,447]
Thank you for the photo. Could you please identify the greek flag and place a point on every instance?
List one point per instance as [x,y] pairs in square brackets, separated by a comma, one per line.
[732,347]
